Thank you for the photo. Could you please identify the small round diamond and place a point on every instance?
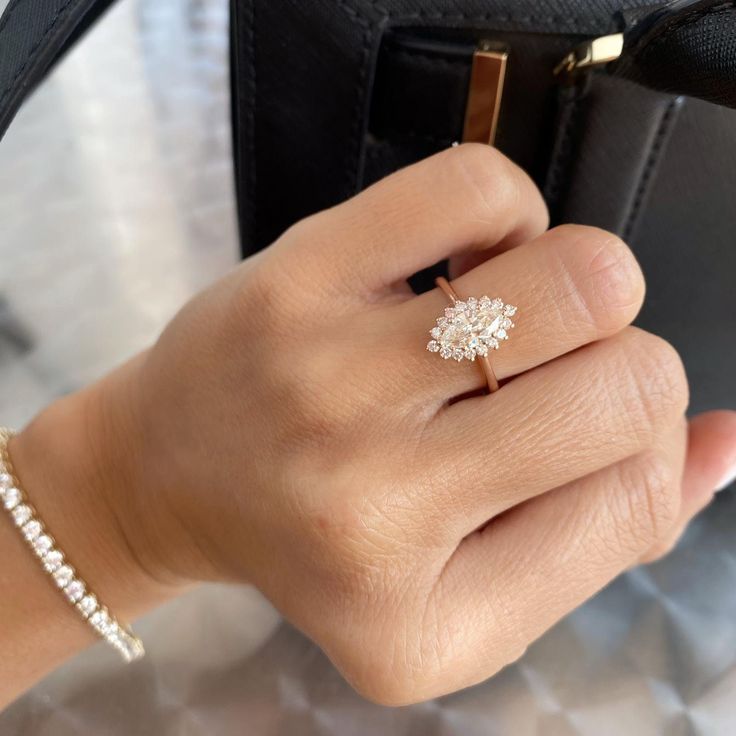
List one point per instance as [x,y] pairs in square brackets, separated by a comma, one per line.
[21,514]
[32,529]
[53,560]
[502,334]
[75,590]
[509,311]
[96,618]
[6,480]
[42,544]
[130,647]
[100,620]
[435,332]
[433,346]
[11,498]
[63,576]
[88,605]
[112,632]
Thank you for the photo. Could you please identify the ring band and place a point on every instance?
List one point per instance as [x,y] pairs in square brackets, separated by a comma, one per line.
[470,329]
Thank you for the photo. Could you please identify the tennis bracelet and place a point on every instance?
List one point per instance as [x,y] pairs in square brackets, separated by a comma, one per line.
[54,562]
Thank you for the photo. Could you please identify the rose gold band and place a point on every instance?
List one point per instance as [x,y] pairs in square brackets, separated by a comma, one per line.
[484,361]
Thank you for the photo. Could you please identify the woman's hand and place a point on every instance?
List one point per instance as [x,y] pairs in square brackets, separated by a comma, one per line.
[290,430]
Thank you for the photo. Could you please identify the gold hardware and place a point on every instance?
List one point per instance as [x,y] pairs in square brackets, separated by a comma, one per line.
[486,92]
[593,53]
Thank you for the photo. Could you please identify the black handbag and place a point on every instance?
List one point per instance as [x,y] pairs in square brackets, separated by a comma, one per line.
[620,111]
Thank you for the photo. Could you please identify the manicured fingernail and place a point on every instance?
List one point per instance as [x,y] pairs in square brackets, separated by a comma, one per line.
[727,481]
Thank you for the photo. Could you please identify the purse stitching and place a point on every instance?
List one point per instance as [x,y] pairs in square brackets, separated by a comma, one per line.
[353,168]
[251,137]
[655,155]
[563,153]
[491,17]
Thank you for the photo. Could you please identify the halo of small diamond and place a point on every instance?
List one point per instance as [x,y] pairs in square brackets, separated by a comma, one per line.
[471,328]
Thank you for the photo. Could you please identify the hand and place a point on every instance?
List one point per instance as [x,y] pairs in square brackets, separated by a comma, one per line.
[290,430]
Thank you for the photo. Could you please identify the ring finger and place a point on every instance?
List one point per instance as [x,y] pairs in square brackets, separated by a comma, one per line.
[572,286]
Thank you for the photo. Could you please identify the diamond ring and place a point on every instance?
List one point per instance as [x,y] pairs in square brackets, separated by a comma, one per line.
[470,329]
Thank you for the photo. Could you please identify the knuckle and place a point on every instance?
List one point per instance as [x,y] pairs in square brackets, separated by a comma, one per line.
[387,679]
[659,382]
[653,501]
[604,274]
[270,298]
[293,273]
[491,182]
[323,404]
[407,657]
[659,551]
[376,663]
[385,686]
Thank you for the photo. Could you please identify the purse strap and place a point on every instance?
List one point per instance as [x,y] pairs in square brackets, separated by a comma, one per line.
[33,35]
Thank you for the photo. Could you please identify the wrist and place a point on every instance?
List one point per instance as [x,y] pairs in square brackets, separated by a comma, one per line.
[78,463]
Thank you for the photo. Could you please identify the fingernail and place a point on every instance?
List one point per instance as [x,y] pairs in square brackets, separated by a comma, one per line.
[727,481]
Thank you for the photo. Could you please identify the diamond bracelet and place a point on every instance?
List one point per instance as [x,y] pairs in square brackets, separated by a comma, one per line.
[52,559]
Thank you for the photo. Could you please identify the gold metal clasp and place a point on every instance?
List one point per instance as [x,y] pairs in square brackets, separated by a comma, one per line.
[596,52]
[485,96]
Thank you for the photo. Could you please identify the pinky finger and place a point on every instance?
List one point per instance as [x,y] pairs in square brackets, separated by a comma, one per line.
[710,467]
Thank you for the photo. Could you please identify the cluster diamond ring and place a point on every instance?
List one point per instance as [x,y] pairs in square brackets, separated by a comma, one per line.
[470,329]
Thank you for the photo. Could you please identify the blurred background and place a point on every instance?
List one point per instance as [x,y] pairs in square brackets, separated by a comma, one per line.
[116,205]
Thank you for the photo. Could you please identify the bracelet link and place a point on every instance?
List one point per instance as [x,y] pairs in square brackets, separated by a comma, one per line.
[53,561]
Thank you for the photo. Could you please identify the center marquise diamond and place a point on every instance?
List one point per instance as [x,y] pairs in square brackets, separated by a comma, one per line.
[471,328]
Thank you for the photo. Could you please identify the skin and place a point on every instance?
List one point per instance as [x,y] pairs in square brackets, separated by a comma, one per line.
[289,430]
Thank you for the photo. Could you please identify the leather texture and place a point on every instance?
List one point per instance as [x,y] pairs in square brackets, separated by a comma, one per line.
[660,170]
[687,46]
[594,122]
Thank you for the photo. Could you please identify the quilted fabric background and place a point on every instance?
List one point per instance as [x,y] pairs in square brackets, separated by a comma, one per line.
[116,204]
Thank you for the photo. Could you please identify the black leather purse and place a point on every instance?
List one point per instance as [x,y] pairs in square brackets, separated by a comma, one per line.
[619,110]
